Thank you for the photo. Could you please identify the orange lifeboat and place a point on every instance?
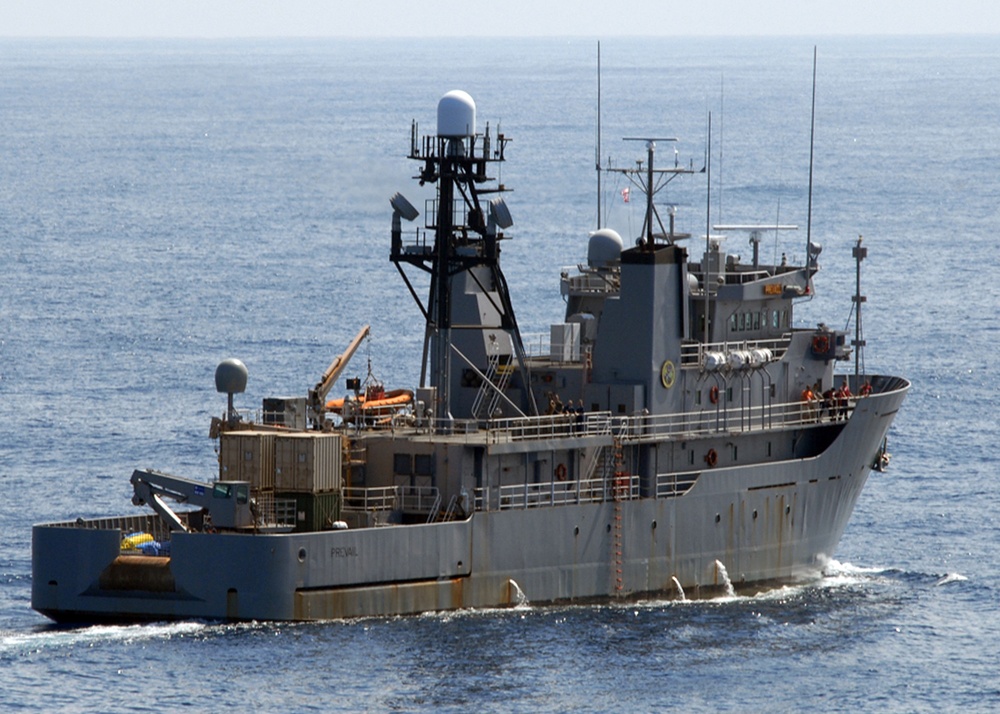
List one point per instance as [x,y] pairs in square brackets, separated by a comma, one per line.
[375,402]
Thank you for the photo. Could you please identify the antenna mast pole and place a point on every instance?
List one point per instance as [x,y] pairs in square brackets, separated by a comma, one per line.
[860,254]
[812,134]
[708,221]
[598,162]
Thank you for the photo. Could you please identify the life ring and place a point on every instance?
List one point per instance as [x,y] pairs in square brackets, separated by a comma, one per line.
[821,344]
[713,395]
[561,472]
[711,458]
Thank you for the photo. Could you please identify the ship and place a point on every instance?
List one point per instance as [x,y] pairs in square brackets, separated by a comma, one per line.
[679,437]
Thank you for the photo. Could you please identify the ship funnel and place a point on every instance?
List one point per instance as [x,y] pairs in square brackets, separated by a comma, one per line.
[456,115]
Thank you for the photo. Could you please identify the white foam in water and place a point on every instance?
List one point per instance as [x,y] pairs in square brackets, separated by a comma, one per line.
[837,574]
[951,578]
[38,640]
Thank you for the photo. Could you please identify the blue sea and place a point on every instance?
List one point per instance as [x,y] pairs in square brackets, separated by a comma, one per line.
[168,204]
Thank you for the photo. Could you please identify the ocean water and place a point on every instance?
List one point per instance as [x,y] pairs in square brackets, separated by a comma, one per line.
[166,204]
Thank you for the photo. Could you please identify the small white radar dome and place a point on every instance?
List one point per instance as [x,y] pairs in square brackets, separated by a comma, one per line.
[456,115]
[605,248]
[231,376]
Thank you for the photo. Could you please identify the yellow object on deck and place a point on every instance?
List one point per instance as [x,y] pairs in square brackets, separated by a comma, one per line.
[133,540]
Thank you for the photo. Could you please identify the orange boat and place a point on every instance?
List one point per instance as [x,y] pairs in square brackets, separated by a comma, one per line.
[375,402]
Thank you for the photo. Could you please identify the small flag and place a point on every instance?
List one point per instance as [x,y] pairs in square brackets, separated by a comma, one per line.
[625,194]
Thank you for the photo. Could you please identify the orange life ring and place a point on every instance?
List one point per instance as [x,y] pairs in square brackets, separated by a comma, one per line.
[561,472]
[713,395]
[711,458]
[821,344]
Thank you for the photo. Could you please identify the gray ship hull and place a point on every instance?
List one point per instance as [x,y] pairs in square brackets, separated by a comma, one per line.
[772,521]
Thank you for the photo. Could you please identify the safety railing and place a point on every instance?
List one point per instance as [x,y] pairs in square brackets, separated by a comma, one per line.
[671,485]
[419,499]
[380,498]
[714,418]
[549,426]
[556,493]
[145,523]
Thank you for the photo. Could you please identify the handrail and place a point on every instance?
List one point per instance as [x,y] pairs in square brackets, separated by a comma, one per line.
[378,498]
[554,493]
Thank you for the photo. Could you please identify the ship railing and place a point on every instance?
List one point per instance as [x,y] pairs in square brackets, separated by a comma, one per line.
[409,499]
[591,282]
[283,512]
[140,523]
[419,499]
[379,498]
[712,419]
[552,426]
[537,344]
[556,493]
[671,485]
[735,420]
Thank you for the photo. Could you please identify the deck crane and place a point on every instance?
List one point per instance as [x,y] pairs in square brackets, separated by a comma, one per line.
[316,403]
[227,503]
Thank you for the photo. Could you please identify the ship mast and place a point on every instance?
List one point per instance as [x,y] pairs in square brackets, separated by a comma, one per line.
[650,181]
[860,253]
[467,229]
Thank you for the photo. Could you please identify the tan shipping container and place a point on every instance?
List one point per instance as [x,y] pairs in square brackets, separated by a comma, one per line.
[307,463]
[247,456]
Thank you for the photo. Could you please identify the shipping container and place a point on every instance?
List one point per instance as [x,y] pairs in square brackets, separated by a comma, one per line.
[247,456]
[307,462]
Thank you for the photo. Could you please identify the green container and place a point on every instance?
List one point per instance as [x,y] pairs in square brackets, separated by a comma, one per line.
[313,511]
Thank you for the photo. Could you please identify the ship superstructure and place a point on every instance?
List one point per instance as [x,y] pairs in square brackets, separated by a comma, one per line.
[679,431]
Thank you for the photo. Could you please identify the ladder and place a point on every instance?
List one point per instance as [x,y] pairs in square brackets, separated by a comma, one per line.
[620,489]
[497,375]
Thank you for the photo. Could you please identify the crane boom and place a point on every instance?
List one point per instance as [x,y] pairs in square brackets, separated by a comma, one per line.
[317,395]
[227,502]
